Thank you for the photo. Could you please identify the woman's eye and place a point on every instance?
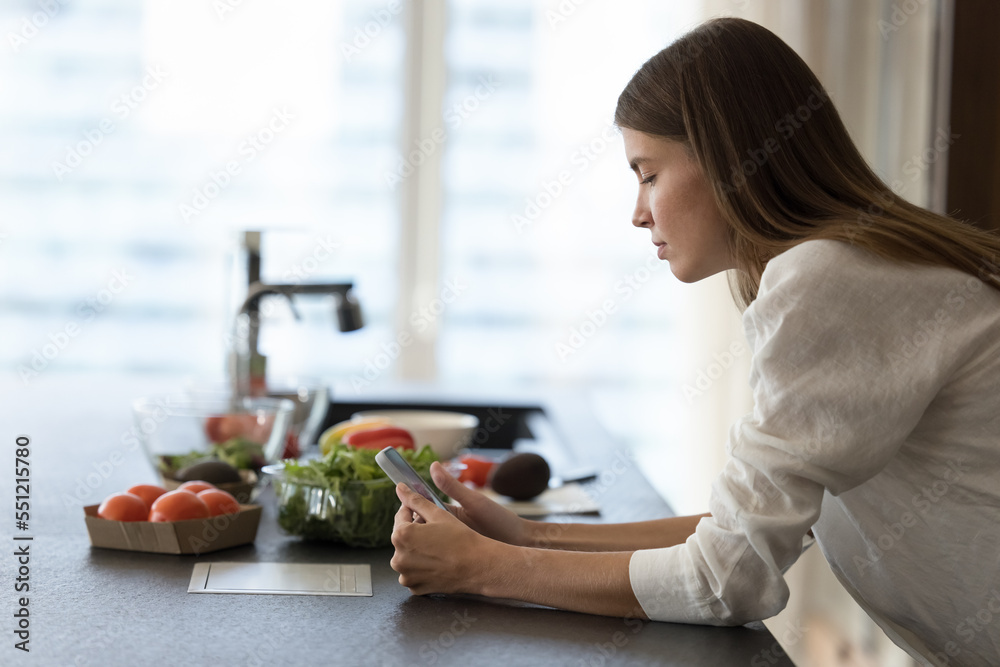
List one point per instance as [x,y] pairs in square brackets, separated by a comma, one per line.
[648,179]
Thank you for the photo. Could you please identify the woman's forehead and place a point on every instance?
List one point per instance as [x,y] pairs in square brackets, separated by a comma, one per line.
[642,148]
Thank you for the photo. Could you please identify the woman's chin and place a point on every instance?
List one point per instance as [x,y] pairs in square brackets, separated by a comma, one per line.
[682,273]
[689,274]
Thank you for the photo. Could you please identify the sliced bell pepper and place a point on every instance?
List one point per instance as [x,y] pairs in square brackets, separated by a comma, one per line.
[335,434]
[477,469]
[380,437]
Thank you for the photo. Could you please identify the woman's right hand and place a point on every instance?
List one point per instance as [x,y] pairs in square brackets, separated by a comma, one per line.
[479,512]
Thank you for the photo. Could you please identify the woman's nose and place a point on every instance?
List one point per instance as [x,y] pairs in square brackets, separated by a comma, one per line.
[641,216]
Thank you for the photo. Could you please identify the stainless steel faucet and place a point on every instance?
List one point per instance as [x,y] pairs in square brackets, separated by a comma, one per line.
[247,366]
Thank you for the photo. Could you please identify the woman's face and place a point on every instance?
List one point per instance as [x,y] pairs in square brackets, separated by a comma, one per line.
[676,204]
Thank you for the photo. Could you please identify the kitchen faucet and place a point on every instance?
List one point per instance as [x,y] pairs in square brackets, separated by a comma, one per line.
[247,366]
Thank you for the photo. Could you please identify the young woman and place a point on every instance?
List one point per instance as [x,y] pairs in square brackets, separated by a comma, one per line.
[875,330]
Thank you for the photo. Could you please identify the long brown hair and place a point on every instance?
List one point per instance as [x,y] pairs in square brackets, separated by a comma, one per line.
[781,163]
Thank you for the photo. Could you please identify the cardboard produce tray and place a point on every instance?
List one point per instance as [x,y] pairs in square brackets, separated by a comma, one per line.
[194,536]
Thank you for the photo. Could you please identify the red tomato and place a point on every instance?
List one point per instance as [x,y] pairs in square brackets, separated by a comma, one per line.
[220,428]
[380,437]
[123,507]
[219,502]
[196,486]
[178,505]
[148,492]
[477,469]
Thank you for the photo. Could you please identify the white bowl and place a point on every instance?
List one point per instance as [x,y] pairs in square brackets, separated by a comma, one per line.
[446,432]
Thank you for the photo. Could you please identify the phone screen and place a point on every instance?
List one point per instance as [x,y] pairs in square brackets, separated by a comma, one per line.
[398,470]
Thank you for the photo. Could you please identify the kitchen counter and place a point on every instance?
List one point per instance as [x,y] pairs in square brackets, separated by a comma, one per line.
[103,607]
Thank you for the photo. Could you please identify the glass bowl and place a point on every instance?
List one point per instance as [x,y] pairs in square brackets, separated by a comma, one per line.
[358,513]
[176,431]
[310,396]
[312,399]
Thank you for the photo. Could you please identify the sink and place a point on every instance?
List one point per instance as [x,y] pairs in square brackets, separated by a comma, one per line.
[524,427]
[500,426]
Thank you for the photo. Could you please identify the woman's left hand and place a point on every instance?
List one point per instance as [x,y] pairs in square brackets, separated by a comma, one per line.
[439,555]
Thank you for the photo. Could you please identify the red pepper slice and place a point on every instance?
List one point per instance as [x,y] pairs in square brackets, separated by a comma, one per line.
[380,437]
[477,469]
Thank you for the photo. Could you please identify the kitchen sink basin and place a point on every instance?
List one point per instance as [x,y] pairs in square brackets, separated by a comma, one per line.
[505,426]
[500,426]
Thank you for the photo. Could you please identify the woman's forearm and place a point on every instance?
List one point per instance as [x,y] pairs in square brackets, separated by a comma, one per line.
[592,583]
[655,534]
[556,570]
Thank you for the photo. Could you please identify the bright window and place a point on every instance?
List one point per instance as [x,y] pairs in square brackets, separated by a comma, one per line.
[141,137]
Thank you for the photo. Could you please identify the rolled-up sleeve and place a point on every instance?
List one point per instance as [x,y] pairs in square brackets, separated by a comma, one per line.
[835,396]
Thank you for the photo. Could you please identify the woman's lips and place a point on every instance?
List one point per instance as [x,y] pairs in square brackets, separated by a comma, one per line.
[661,249]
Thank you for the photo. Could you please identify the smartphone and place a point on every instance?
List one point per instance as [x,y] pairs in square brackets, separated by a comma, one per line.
[398,470]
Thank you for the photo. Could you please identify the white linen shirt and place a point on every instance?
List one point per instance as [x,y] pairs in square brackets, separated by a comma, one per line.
[876,423]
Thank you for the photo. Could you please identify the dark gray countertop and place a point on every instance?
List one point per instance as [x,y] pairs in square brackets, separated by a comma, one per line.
[103,607]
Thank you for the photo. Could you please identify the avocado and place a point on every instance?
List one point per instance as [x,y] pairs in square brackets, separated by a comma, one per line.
[521,476]
[212,471]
